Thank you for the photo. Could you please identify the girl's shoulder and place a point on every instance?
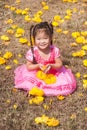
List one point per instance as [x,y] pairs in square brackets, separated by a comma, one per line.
[55,51]
[54,48]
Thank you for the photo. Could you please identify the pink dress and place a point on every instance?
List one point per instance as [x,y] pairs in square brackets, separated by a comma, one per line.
[26,80]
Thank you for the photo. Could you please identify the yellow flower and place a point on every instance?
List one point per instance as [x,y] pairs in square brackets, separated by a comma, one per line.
[57,18]
[50,79]
[18,1]
[53,122]
[61,97]
[73,116]
[10,31]
[75,34]
[27,18]
[12,8]
[8,101]
[79,53]
[23,40]
[85,75]
[69,12]
[46,7]
[14,26]
[46,120]
[84,33]
[15,106]
[20,31]
[55,24]
[2,61]
[77,74]
[85,109]
[46,106]
[42,119]
[36,100]
[7,55]
[35,91]
[67,17]
[84,47]
[5,38]
[15,61]
[41,75]
[65,32]
[75,10]
[59,30]
[43,3]
[18,11]
[47,78]
[85,23]
[74,44]
[8,67]
[19,55]
[80,39]
[24,12]
[85,83]
[85,62]
[37,19]
[39,13]
[7,6]
[9,21]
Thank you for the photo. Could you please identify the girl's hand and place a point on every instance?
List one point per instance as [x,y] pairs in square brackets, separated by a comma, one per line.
[45,68]
[48,67]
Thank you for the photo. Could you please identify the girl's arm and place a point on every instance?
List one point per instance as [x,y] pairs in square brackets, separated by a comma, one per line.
[31,66]
[58,63]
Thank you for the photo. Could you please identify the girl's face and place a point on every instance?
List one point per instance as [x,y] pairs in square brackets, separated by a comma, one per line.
[42,40]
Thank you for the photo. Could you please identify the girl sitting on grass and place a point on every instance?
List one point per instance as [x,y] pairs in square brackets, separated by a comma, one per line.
[44,67]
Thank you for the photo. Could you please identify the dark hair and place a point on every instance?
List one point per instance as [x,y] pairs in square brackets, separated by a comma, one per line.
[48,28]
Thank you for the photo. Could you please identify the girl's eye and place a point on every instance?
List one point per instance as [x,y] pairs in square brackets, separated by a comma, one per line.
[46,38]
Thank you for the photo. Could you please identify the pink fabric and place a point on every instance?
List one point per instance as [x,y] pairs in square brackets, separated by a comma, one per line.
[26,80]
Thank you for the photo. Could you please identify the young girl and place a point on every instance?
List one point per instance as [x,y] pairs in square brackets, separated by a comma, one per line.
[44,67]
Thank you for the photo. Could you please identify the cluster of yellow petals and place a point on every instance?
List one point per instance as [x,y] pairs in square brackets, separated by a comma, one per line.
[27,18]
[80,37]
[35,91]
[71,1]
[44,5]
[19,32]
[37,17]
[8,67]
[23,40]
[47,78]
[57,20]
[85,83]
[38,93]
[79,53]
[85,62]
[60,97]
[22,12]
[7,55]
[5,38]
[2,60]
[9,21]
[36,100]
[46,120]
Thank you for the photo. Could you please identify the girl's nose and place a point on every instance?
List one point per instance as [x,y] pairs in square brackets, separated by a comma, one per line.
[42,41]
